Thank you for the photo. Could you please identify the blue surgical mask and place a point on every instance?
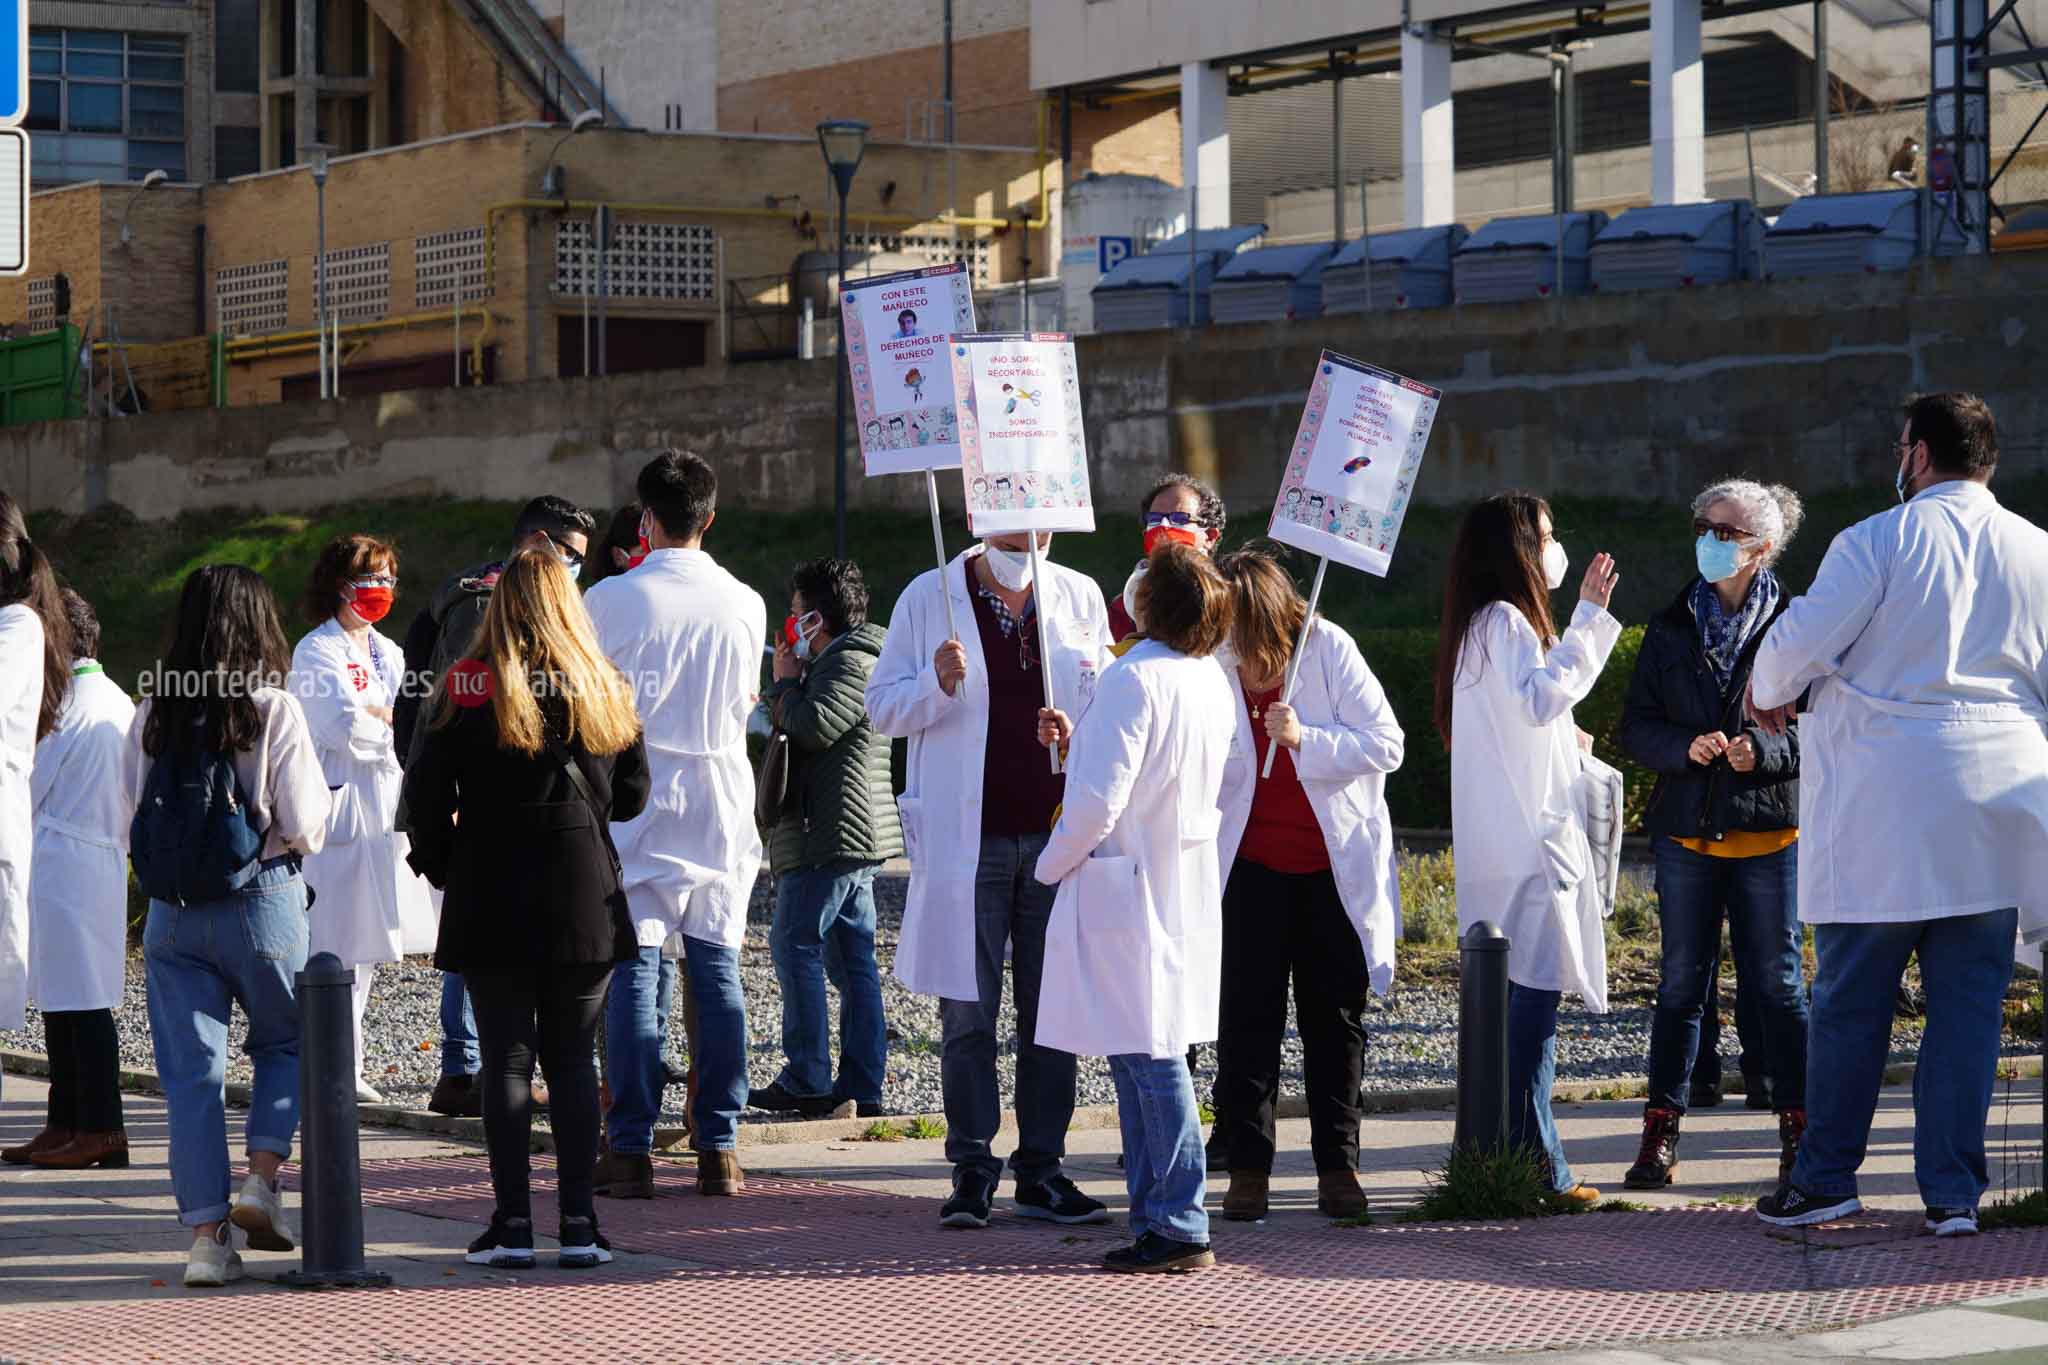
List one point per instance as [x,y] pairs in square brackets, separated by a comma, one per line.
[1720,560]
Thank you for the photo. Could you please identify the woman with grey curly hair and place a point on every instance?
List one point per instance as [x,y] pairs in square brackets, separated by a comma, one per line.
[1724,817]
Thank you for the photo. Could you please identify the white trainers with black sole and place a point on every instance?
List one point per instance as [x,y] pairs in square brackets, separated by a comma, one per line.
[1792,1207]
[1952,1222]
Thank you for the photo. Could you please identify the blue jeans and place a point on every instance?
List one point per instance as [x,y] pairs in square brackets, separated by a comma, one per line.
[1164,1167]
[635,1037]
[1965,966]
[459,1054]
[1760,897]
[1532,1071]
[825,929]
[1010,906]
[199,961]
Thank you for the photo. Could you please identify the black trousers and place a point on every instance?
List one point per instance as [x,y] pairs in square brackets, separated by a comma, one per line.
[85,1070]
[551,1012]
[1275,926]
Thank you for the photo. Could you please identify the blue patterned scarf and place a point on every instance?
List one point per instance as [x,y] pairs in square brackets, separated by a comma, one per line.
[1724,637]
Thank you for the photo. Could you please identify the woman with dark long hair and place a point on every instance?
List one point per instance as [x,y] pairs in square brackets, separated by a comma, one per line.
[1506,682]
[35,671]
[215,718]
[511,798]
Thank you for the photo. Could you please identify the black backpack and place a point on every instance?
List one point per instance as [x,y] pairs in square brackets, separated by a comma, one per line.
[194,838]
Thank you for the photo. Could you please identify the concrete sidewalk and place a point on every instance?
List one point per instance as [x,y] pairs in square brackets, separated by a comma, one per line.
[835,1253]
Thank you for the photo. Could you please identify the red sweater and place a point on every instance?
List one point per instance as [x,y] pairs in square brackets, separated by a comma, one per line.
[1282,834]
[1019,790]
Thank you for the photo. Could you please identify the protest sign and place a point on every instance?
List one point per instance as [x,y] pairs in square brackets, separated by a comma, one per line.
[1350,475]
[895,329]
[1023,454]
[1352,467]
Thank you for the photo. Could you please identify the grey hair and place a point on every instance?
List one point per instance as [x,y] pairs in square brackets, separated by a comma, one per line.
[1772,511]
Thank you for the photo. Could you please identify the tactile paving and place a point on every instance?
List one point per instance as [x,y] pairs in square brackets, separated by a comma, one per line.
[798,1270]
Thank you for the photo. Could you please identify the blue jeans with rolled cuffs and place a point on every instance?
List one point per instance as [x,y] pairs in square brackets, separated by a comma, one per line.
[199,962]
[1965,966]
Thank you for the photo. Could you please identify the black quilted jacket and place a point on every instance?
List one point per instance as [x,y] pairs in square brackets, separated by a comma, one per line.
[841,802]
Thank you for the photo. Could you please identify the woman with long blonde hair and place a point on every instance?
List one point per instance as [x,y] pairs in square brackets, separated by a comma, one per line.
[534,749]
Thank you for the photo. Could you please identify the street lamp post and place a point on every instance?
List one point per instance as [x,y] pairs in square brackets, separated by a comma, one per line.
[844,142]
[316,159]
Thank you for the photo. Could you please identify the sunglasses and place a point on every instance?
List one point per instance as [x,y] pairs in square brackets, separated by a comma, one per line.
[569,556]
[1719,530]
[1182,519]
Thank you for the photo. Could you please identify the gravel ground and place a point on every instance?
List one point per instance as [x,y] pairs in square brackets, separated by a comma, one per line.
[1412,1035]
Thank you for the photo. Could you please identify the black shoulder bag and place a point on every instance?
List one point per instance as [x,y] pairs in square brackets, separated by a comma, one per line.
[600,813]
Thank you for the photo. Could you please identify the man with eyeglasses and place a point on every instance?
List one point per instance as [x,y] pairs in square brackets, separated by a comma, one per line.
[1924,641]
[1179,508]
[436,639]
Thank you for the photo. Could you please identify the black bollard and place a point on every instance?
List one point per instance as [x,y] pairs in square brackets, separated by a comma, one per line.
[330,1165]
[1483,1038]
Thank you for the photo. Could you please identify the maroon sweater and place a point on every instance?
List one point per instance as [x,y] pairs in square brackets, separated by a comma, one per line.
[1019,790]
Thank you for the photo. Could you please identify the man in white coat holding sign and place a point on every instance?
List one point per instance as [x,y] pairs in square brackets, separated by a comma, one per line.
[977,809]
[1923,804]
[689,637]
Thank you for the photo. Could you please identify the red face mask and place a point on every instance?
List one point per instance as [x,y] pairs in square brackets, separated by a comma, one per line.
[370,601]
[789,631]
[633,560]
[1171,535]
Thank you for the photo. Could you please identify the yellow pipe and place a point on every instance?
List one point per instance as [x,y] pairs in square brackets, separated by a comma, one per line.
[297,343]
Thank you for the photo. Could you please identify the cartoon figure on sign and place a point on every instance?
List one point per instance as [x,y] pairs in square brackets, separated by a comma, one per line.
[913,380]
[922,426]
[874,434]
[1003,492]
[1017,394]
[1336,523]
[946,434]
[981,490]
[1293,510]
[897,434]
[1352,466]
[906,323]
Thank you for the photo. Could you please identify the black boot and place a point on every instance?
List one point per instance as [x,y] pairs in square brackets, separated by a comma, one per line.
[1657,1161]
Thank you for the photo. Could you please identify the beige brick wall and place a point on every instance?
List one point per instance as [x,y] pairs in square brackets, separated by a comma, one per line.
[993,102]
[63,236]
[758,38]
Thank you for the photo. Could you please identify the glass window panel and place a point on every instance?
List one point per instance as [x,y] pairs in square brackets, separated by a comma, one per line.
[236,151]
[156,111]
[144,157]
[156,68]
[45,62]
[105,64]
[94,40]
[143,42]
[236,31]
[95,108]
[45,105]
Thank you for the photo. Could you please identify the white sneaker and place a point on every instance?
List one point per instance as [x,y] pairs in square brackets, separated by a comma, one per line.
[213,1262]
[259,1211]
[367,1093]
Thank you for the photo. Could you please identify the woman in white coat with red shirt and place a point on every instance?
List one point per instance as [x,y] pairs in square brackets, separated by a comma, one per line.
[368,904]
[1506,683]
[1132,954]
[1311,892]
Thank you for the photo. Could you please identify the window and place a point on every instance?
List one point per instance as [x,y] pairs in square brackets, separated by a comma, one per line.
[106,105]
[237,56]
[236,151]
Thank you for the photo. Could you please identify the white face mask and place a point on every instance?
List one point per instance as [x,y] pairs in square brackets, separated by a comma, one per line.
[1555,563]
[1011,568]
[1131,595]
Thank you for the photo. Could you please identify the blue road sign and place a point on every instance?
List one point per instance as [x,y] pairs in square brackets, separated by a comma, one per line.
[13,62]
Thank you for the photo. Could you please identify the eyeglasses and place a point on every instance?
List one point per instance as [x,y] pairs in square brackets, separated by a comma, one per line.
[1183,519]
[570,557]
[1719,530]
[374,580]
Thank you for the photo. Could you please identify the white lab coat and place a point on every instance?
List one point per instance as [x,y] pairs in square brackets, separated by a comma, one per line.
[1517,820]
[1350,741]
[1923,781]
[21,704]
[689,637]
[78,898]
[941,801]
[368,903]
[1134,951]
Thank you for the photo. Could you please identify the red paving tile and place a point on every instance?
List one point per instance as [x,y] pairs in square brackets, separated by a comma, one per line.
[799,1270]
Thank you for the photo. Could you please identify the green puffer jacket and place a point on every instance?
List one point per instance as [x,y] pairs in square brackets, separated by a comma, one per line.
[841,802]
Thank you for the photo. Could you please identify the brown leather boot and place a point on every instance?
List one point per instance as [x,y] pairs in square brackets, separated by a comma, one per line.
[720,1173]
[1791,1128]
[1657,1161]
[1338,1195]
[623,1176]
[1246,1200]
[86,1149]
[48,1138]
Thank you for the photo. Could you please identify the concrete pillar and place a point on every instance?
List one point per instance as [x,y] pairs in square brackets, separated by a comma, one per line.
[306,79]
[1428,164]
[1205,141]
[1678,104]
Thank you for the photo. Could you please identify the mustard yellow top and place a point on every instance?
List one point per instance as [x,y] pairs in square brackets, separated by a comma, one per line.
[1742,843]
